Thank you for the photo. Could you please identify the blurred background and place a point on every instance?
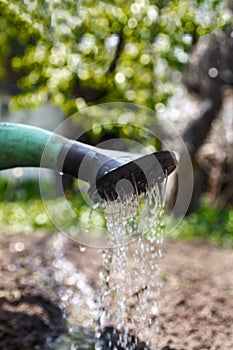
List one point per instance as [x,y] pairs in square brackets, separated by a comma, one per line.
[174,57]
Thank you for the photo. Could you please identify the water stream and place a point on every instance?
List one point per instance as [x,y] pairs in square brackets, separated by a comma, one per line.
[125,309]
[130,293]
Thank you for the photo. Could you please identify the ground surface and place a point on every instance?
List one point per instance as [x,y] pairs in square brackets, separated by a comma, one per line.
[197,296]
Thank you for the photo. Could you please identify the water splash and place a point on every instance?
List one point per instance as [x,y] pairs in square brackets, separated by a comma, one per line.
[77,299]
[131,287]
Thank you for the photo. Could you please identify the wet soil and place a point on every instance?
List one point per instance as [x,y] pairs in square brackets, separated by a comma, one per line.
[196,311]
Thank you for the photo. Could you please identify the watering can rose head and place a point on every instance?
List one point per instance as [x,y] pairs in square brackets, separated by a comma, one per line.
[119,180]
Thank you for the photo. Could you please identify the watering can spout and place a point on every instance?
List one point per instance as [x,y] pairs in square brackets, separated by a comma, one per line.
[23,145]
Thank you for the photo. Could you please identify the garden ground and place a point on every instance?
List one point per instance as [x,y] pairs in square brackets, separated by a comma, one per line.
[196,310]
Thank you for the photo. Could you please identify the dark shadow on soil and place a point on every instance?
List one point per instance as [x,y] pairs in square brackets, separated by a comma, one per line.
[29,322]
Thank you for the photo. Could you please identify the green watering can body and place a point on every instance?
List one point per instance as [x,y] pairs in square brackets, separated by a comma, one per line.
[23,145]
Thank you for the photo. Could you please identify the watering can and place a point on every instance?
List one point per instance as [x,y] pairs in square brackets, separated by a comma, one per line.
[28,146]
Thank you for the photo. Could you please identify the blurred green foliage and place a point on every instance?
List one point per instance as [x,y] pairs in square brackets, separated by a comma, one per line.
[23,211]
[80,52]
[18,190]
[208,224]
[26,213]
[24,217]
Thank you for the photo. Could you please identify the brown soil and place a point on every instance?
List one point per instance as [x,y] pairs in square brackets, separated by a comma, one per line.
[197,296]
[30,316]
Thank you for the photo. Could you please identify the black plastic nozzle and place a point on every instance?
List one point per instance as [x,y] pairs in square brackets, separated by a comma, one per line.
[112,174]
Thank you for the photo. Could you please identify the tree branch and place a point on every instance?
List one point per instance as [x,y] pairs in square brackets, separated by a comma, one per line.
[119,50]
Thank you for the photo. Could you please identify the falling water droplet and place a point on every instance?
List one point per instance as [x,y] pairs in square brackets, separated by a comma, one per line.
[213,72]
[96,205]
[82,248]
[74,346]
[88,225]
